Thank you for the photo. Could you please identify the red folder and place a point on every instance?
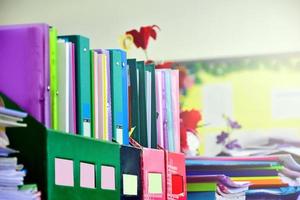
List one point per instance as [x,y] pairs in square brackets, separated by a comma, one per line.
[175,176]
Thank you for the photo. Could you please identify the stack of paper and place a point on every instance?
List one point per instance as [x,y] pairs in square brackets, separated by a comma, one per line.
[274,146]
[11,118]
[273,177]
[12,174]
[215,187]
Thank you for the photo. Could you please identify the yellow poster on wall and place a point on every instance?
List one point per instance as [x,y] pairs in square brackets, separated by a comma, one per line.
[261,92]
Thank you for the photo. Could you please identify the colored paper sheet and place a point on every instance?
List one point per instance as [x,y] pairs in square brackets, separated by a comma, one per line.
[154,183]
[202,195]
[130,184]
[87,175]
[202,187]
[64,172]
[177,184]
[108,178]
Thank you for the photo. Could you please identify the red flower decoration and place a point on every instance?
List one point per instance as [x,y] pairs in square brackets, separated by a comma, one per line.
[141,38]
[190,119]
[183,138]
[188,123]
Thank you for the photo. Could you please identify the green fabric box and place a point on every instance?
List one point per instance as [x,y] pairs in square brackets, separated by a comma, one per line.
[40,147]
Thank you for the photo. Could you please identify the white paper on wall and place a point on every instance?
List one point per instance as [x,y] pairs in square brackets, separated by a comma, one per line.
[285,103]
[217,101]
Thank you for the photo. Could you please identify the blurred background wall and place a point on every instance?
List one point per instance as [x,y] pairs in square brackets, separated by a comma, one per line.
[190,29]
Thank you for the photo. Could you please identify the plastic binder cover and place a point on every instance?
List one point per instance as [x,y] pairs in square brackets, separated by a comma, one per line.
[54,79]
[134,100]
[142,103]
[119,96]
[151,105]
[24,72]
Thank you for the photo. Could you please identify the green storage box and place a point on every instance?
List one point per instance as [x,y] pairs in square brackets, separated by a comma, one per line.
[66,166]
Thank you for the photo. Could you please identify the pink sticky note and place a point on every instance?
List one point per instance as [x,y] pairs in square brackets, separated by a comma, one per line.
[64,172]
[87,175]
[108,178]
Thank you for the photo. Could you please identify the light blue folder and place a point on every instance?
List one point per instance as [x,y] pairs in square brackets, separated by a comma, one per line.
[125,81]
[167,74]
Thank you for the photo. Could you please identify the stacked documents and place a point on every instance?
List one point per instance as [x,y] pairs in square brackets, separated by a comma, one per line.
[267,177]
[11,118]
[11,173]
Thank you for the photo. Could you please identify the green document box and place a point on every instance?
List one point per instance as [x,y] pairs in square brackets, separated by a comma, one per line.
[40,147]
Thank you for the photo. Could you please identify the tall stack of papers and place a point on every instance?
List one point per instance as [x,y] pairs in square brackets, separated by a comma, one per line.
[11,174]
[268,177]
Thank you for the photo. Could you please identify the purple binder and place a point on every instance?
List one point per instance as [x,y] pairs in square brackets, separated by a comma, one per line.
[24,68]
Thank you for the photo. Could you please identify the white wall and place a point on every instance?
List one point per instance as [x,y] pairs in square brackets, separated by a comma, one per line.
[190,28]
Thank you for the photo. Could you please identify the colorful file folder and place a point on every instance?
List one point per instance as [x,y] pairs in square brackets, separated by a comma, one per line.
[175,108]
[125,86]
[119,90]
[108,92]
[142,104]
[99,95]
[83,83]
[153,173]
[54,80]
[169,113]
[24,58]
[175,176]
[134,100]
[65,86]
[151,105]
[131,173]
[160,107]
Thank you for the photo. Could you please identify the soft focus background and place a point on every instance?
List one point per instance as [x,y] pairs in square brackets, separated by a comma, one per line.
[191,29]
[195,30]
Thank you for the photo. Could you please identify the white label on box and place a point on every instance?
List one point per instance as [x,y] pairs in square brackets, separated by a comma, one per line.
[86,128]
[119,133]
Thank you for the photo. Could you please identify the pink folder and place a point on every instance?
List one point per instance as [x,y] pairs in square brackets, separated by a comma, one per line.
[159,108]
[153,174]
[73,96]
[24,68]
